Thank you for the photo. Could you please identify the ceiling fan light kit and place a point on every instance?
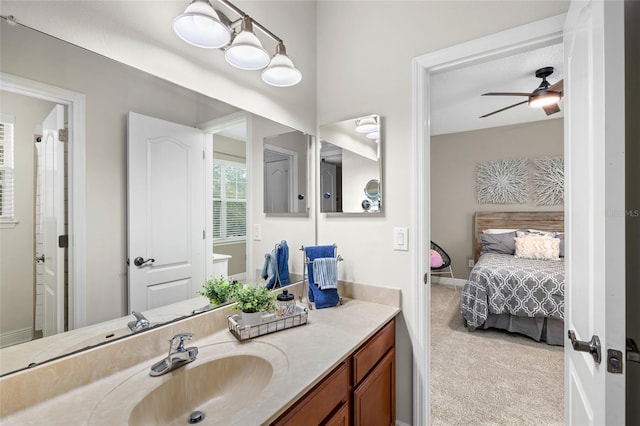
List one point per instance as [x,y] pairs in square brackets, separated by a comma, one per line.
[545,96]
[203,26]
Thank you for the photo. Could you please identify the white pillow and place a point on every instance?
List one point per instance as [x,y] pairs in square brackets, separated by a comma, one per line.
[498,231]
[534,246]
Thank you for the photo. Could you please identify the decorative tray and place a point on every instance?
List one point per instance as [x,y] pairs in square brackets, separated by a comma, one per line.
[278,323]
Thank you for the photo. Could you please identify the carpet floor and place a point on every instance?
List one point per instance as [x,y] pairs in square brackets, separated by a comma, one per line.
[490,377]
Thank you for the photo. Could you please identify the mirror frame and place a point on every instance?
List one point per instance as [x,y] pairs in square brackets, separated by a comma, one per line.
[377,213]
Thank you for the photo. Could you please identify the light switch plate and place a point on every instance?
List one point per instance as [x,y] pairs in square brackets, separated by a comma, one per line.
[257,232]
[401,239]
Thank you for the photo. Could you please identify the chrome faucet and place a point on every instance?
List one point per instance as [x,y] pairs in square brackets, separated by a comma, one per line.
[141,323]
[178,355]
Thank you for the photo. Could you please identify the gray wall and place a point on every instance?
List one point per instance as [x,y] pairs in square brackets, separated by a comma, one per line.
[454,161]
[632,41]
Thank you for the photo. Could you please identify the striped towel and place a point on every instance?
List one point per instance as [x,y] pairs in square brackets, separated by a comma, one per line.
[325,272]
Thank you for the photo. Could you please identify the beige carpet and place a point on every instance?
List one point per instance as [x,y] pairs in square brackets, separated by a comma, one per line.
[489,377]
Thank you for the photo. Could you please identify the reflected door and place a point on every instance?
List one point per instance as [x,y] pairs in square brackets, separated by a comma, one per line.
[277,188]
[166,228]
[52,221]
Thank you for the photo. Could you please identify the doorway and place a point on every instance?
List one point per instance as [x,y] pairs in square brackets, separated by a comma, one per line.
[544,33]
[74,103]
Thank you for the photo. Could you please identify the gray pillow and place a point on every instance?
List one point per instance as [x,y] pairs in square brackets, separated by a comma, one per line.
[498,243]
[560,236]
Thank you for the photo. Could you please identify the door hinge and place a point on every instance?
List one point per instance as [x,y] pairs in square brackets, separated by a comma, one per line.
[63,241]
[633,354]
[203,234]
[426,278]
[63,135]
[203,155]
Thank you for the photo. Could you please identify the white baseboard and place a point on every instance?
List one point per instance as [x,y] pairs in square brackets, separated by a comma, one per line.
[14,337]
[399,423]
[449,281]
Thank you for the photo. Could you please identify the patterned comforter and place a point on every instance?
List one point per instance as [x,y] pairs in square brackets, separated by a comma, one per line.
[504,284]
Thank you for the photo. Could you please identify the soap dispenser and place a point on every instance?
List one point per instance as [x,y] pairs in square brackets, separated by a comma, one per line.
[285,305]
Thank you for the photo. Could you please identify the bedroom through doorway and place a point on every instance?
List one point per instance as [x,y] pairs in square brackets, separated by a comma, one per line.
[469,156]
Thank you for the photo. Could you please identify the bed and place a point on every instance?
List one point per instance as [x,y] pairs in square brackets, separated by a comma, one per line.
[520,295]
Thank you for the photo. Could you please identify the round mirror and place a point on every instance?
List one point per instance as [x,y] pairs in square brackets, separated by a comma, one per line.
[372,189]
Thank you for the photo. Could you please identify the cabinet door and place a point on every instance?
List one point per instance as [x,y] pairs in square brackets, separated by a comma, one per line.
[321,401]
[340,418]
[374,401]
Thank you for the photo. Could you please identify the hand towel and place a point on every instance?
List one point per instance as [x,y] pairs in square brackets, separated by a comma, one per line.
[325,272]
[321,298]
[282,262]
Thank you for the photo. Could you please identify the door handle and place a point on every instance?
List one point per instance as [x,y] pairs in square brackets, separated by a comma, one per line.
[138,261]
[592,346]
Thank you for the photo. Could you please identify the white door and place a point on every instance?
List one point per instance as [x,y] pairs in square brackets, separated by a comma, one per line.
[594,208]
[329,187]
[166,209]
[277,188]
[52,221]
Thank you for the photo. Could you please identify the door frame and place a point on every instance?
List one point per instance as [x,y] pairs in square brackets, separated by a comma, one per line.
[76,203]
[530,36]
[212,127]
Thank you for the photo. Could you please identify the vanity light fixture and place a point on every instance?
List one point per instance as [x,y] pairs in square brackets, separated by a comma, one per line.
[374,135]
[246,51]
[281,72]
[200,26]
[203,26]
[367,124]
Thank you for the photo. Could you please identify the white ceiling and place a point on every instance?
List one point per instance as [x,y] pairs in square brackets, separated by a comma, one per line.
[457,104]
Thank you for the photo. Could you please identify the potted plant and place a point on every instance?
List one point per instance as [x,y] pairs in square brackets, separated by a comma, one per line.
[254,301]
[218,290]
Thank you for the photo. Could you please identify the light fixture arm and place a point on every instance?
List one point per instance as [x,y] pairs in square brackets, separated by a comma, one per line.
[255,23]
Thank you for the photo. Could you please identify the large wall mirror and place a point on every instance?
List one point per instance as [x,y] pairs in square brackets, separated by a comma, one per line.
[351,166]
[286,179]
[111,90]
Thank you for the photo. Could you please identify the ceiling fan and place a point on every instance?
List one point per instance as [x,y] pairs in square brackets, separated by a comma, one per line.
[545,95]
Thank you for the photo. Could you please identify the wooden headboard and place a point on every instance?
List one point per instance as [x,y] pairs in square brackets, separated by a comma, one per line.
[544,221]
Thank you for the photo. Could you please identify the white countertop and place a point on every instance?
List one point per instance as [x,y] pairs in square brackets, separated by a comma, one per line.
[302,355]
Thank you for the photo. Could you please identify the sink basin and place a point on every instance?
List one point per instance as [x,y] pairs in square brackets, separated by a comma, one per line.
[224,381]
[208,388]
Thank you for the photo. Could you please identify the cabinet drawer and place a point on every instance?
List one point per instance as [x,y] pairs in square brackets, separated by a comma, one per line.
[365,358]
[321,401]
[340,417]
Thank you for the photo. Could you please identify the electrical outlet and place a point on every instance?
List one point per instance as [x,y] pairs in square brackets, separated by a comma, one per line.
[471,263]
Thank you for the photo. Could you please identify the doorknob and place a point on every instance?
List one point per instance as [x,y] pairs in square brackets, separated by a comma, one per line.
[633,354]
[138,261]
[592,346]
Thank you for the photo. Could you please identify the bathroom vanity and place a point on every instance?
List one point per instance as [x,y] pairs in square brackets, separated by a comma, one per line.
[338,367]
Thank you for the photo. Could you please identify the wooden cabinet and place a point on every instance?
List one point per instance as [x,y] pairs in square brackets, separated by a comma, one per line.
[361,391]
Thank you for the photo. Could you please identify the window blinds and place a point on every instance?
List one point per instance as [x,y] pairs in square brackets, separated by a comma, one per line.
[6,169]
[229,200]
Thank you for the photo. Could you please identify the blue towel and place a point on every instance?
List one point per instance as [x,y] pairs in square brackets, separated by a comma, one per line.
[280,261]
[321,298]
[325,272]
[269,266]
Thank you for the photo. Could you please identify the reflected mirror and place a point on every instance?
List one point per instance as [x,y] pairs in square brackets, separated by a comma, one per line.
[285,173]
[351,166]
[111,91]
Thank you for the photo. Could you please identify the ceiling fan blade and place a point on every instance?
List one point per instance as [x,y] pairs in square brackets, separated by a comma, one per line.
[505,108]
[551,109]
[557,87]
[506,94]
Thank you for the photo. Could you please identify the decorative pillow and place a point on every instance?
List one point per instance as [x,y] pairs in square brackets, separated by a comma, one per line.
[503,243]
[498,231]
[560,236]
[534,246]
[436,259]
